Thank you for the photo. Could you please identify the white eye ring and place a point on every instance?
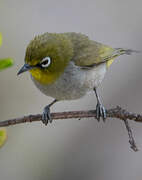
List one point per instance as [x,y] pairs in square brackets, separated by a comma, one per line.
[45,62]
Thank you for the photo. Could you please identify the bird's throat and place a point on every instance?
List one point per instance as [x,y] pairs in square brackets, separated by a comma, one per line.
[44,77]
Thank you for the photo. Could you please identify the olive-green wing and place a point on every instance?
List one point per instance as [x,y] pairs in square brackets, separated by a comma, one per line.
[88,52]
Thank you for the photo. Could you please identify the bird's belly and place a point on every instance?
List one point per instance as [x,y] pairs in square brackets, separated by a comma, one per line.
[95,76]
[73,83]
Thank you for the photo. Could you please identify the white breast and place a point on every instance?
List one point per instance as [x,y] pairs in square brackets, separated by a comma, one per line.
[74,82]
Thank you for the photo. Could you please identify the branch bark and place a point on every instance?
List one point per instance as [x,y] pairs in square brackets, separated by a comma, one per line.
[117,112]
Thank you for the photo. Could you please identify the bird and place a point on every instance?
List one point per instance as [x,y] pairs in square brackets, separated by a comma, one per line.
[66,66]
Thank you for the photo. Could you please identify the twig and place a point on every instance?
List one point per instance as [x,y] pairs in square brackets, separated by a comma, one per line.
[117,112]
[130,134]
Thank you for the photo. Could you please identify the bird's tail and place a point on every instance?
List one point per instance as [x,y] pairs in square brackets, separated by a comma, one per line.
[118,52]
[121,51]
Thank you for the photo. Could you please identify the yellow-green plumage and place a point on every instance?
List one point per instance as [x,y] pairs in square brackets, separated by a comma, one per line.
[88,52]
[63,48]
[56,46]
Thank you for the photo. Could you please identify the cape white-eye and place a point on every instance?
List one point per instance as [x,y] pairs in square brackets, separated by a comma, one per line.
[66,66]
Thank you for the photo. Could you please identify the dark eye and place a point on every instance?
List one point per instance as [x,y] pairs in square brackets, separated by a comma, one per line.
[45,62]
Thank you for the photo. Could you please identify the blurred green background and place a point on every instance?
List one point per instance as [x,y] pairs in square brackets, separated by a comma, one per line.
[71,149]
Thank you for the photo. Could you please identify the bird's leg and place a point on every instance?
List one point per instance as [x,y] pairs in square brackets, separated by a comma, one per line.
[100,110]
[46,116]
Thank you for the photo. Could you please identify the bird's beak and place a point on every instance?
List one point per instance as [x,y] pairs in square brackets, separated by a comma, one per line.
[25,68]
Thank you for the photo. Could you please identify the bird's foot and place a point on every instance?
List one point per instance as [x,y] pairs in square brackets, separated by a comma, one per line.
[46,116]
[100,112]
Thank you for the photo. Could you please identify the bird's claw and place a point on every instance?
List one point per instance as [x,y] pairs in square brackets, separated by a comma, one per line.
[100,112]
[46,116]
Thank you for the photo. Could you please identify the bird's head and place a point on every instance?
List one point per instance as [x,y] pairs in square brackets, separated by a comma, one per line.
[47,56]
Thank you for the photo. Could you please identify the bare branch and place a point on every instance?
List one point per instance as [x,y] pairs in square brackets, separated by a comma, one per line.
[117,112]
[130,134]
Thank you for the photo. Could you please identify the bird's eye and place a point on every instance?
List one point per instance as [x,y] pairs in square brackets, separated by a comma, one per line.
[45,62]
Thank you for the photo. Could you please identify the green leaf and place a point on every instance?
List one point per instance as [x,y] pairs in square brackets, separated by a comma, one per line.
[3,136]
[5,63]
[0,39]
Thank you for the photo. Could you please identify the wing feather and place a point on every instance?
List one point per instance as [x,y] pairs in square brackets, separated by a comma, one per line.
[87,52]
